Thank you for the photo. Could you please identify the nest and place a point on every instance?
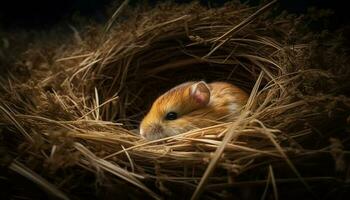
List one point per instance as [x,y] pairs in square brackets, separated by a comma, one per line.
[69,122]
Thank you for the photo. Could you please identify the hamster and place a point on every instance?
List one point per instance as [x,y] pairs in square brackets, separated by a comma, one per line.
[192,105]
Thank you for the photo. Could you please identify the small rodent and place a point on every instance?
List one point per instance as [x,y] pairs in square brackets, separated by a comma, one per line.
[192,105]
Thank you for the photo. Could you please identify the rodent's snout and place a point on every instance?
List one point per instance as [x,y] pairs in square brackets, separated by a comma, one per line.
[152,132]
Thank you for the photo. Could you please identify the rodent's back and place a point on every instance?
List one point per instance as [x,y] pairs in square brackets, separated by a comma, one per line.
[223,94]
[226,101]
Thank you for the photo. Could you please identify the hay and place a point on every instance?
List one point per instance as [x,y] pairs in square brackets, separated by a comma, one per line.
[73,120]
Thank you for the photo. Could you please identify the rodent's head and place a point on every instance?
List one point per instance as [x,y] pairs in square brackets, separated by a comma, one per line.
[170,113]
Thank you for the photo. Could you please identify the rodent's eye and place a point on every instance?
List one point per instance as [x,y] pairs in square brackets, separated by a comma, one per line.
[171,116]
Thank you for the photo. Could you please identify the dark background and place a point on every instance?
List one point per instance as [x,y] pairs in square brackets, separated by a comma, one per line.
[44,14]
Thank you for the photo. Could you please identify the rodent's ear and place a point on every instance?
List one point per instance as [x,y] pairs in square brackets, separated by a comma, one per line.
[200,92]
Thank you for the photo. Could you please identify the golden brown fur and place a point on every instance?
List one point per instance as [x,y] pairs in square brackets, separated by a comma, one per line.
[225,102]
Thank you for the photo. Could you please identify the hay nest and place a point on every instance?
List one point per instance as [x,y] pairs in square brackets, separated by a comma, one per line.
[69,112]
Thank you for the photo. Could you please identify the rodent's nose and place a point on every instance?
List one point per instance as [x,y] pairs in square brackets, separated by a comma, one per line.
[142,132]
